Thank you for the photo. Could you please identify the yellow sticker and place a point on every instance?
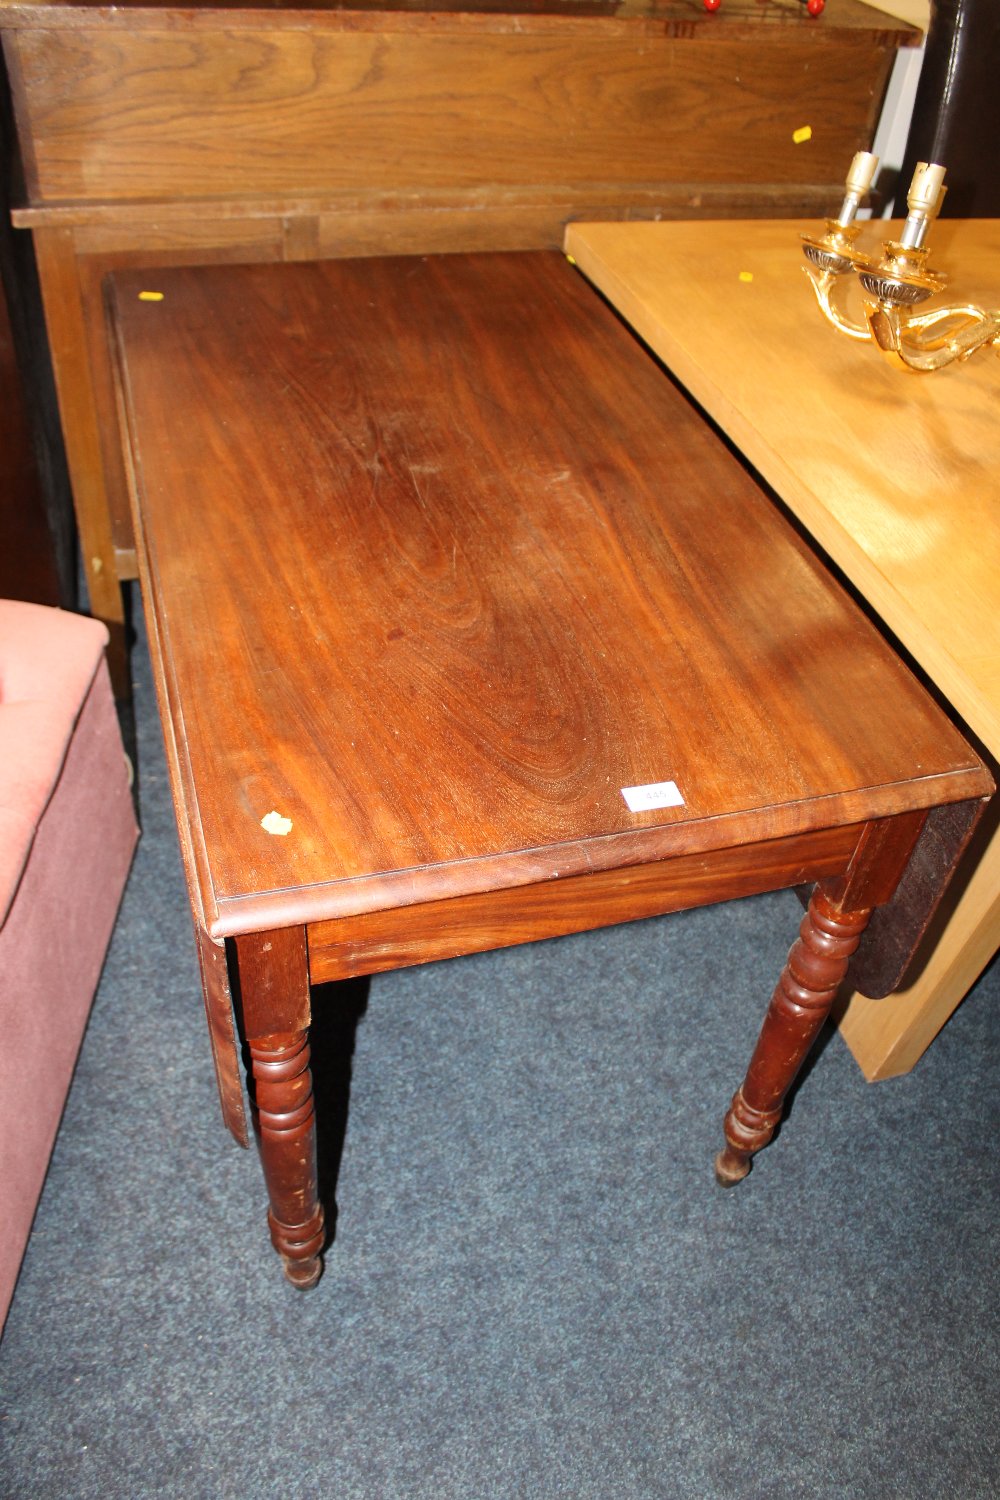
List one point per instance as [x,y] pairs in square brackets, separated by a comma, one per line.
[150,296]
[746,276]
[273,822]
[571,260]
[804,133]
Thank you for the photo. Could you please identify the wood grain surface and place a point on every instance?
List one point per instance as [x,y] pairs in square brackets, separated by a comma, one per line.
[895,475]
[441,561]
[154,115]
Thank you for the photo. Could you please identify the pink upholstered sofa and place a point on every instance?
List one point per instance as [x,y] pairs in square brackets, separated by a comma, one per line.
[67,832]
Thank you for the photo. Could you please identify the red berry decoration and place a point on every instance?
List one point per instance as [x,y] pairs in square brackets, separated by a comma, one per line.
[712,4]
[815,7]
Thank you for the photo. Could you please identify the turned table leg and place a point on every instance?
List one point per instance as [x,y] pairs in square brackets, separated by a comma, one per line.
[286,1122]
[274,1001]
[800,1004]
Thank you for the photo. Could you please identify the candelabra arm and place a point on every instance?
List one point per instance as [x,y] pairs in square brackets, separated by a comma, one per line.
[825,284]
[929,341]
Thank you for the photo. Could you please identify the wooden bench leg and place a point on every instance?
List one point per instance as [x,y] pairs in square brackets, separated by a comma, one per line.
[801,1003]
[286,1122]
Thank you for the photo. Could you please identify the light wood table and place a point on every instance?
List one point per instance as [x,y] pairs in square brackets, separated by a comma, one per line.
[896,476]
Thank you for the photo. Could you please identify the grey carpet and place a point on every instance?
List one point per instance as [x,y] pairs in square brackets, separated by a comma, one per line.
[536,1289]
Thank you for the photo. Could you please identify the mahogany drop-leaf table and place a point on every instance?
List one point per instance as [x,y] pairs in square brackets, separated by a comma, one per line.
[468,631]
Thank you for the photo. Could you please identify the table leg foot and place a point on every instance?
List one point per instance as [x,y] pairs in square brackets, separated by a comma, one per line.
[299,1249]
[286,1123]
[730,1168]
[800,1004]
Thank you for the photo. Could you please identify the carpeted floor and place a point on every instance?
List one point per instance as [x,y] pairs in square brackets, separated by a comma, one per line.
[536,1288]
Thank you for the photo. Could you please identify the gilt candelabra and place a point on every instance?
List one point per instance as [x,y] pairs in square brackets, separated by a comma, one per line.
[895,283]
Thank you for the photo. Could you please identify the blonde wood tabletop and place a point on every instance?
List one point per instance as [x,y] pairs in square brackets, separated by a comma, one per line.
[895,475]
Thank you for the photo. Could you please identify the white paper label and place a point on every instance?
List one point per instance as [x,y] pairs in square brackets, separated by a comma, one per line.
[657,794]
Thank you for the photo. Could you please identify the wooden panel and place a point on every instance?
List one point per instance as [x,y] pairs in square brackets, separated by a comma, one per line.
[749,20]
[519,221]
[212,960]
[173,240]
[174,114]
[887,1037]
[190,221]
[67,331]
[384,940]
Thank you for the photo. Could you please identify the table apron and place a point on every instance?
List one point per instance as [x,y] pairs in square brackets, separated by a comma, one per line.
[374,942]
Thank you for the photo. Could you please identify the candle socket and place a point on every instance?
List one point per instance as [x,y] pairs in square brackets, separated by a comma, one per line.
[895,283]
[924,201]
[859,180]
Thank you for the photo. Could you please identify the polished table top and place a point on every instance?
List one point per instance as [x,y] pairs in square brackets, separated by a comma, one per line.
[439,562]
[896,475]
